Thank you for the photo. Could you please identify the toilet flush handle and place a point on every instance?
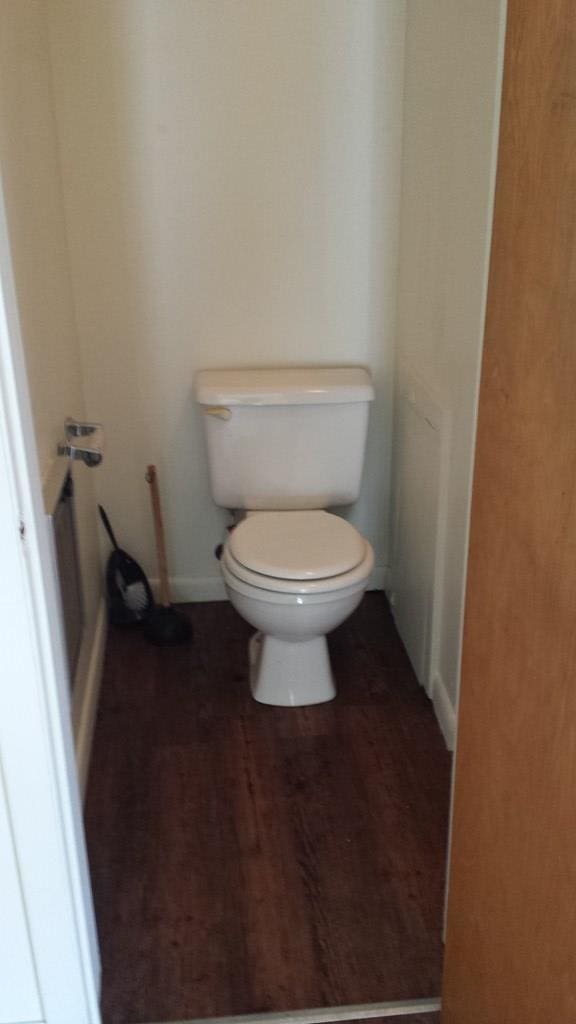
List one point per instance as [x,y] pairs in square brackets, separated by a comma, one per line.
[218,410]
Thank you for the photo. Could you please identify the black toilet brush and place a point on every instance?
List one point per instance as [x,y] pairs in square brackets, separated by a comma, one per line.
[165,626]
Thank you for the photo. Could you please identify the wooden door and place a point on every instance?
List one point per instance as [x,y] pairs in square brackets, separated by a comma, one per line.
[511,932]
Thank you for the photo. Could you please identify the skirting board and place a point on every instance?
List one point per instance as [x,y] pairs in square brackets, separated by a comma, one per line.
[89,687]
[185,589]
[380,578]
[444,711]
[211,588]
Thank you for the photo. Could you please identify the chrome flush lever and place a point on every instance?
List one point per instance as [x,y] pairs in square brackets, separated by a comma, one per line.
[218,410]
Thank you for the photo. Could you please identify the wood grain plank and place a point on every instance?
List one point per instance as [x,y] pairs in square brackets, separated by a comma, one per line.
[250,859]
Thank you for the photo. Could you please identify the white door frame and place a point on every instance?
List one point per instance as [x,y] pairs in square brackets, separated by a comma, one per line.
[36,743]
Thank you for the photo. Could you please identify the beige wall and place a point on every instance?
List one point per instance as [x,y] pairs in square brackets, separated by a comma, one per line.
[32,187]
[451,102]
[231,174]
[225,178]
[33,195]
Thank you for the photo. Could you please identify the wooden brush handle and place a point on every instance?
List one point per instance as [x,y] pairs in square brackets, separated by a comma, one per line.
[159,533]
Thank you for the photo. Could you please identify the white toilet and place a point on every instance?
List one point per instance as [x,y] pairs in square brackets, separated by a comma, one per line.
[284,445]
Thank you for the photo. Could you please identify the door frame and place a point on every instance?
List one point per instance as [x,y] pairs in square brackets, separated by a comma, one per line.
[36,742]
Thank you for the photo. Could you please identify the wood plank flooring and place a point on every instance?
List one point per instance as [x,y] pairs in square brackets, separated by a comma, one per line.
[248,859]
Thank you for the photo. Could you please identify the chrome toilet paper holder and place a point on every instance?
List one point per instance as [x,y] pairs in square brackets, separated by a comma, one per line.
[84,441]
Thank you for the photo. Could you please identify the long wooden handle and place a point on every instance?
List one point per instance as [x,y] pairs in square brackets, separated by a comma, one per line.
[159,533]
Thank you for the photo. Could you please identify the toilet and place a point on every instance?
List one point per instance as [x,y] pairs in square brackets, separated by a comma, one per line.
[283,447]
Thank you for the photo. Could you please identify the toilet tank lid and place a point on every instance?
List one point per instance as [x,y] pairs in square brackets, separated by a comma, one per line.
[297,386]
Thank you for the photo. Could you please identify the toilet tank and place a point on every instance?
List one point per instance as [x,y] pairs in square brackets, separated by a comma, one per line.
[285,439]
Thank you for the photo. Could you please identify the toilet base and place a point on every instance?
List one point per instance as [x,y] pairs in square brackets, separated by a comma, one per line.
[290,674]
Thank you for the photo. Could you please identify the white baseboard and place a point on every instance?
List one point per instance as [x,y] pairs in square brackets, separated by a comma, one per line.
[444,711]
[87,687]
[380,578]
[211,588]
[193,588]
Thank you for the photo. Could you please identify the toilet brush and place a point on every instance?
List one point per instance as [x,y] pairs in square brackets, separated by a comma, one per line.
[165,626]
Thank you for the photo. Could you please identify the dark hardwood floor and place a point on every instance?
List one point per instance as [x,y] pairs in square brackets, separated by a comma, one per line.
[247,858]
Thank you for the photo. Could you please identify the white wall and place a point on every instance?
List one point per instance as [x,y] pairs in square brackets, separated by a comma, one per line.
[225,176]
[453,68]
[232,177]
[33,195]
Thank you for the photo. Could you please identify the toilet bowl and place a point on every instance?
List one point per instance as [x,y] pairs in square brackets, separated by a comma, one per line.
[294,576]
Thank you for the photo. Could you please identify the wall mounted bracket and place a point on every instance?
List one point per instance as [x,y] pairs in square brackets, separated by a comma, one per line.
[83,441]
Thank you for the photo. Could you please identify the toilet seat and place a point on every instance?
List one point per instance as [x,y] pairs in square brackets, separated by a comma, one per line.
[299,545]
[312,552]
